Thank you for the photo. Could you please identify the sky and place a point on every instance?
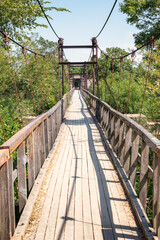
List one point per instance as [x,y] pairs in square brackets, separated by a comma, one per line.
[84,22]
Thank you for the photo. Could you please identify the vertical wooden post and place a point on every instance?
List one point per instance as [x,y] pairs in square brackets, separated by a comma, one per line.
[126,160]
[11,196]
[117,129]
[155,192]
[134,158]
[46,136]
[121,142]
[41,143]
[4,203]
[112,131]
[93,80]
[158,193]
[107,131]
[31,161]
[144,174]
[22,186]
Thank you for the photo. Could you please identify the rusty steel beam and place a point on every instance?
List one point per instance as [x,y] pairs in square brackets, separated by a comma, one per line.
[77,46]
[77,63]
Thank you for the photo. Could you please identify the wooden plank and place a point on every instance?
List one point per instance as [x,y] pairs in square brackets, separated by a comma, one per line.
[126,159]
[4,203]
[134,158]
[98,216]
[31,161]
[136,204]
[144,174]
[43,223]
[11,196]
[78,188]
[87,217]
[22,186]
[155,192]
[52,219]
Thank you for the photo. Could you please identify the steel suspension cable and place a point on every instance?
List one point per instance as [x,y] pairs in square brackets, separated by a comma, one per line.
[47,19]
[133,58]
[107,18]
[24,53]
[14,80]
[150,58]
[36,56]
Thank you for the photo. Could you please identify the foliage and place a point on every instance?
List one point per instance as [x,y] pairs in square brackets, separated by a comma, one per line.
[18,15]
[121,86]
[46,84]
[145,16]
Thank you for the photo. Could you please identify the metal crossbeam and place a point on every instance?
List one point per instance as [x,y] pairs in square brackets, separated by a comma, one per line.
[77,63]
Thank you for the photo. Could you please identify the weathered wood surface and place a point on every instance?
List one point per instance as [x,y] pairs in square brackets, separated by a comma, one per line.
[83,198]
[152,141]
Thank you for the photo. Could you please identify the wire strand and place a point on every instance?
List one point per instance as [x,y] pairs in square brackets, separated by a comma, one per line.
[47,19]
[128,54]
[29,50]
[107,19]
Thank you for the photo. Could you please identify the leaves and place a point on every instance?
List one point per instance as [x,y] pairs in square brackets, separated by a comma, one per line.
[145,16]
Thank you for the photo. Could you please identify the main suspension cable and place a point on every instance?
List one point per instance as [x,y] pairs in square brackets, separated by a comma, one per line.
[47,19]
[107,18]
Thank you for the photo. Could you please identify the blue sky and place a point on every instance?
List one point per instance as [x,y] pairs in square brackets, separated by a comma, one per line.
[84,22]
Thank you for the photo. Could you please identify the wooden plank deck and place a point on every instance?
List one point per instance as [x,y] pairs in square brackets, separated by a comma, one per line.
[83,196]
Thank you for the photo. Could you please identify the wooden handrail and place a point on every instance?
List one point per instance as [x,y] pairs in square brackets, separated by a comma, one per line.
[126,138]
[33,144]
[152,141]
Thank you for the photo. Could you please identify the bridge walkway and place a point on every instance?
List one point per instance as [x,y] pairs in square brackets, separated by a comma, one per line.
[81,196]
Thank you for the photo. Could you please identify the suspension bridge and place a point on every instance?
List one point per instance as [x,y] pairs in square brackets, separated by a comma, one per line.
[73,171]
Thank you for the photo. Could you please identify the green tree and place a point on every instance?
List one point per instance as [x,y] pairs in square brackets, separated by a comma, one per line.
[145,15]
[18,15]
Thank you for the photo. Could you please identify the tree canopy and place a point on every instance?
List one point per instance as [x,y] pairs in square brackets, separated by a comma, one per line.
[18,15]
[145,15]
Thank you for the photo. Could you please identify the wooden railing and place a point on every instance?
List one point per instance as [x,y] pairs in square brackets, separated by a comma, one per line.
[137,150]
[29,147]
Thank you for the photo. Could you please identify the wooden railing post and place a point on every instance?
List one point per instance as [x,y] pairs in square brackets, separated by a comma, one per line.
[116,137]
[31,161]
[46,136]
[134,158]
[144,174]
[158,192]
[155,191]
[22,186]
[4,203]
[11,196]
[112,131]
[126,159]
[121,142]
